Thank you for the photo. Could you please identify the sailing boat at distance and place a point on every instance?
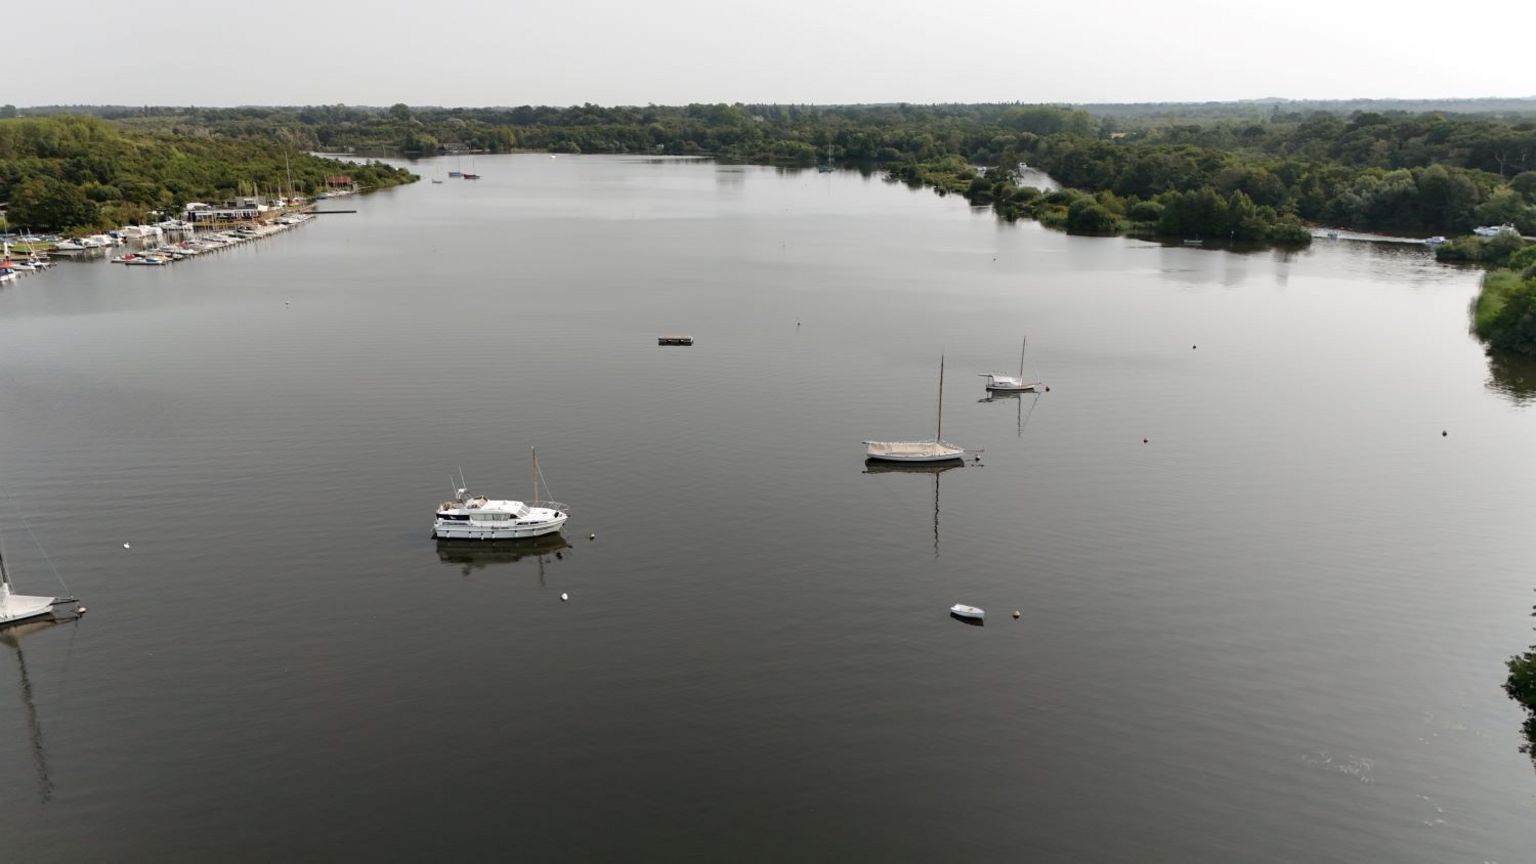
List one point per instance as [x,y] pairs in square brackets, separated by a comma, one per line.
[937,450]
[1009,383]
[477,517]
[21,607]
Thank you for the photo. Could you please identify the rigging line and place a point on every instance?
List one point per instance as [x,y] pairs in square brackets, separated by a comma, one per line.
[545,484]
[27,525]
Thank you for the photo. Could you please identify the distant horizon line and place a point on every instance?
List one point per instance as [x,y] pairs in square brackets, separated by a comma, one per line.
[1259,100]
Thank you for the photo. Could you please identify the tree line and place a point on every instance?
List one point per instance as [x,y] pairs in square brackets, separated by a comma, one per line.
[70,173]
[1381,171]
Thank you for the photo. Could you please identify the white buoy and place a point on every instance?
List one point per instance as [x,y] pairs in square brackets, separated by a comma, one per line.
[80,611]
[592,536]
[126,546]
[564,596]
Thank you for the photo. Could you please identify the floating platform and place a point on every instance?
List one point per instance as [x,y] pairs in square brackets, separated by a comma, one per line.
[674,340]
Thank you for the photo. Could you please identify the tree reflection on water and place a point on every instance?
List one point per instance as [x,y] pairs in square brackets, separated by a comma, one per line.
[1512,376]
[1521,687]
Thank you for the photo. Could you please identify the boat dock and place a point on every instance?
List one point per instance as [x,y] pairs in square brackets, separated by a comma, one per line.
[674,340]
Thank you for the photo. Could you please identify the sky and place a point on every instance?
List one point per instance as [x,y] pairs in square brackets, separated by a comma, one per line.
[665,52]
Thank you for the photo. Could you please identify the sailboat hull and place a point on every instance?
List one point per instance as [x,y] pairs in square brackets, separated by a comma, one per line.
[1006,384]
[20,607]
[913,451]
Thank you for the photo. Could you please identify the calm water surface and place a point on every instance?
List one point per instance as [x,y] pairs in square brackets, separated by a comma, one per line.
[1274,632]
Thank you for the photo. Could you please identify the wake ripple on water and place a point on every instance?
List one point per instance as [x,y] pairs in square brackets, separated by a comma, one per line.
[1357,767]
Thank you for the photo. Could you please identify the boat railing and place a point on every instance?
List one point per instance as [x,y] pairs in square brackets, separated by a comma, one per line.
[562,509]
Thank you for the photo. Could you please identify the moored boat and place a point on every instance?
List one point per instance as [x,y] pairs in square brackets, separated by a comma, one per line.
[969,613]
[936,450]
[1010,383]
[21,607]
[477,517]
[1495,230]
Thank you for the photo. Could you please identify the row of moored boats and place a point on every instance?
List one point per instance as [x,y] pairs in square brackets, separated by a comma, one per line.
[168,253]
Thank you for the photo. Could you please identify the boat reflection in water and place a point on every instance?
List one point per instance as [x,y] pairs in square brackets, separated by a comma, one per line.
[1018,398]
[11,637]
[472,555]
[875,466]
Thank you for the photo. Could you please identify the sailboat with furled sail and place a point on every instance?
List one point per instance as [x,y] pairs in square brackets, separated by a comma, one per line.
[936,450]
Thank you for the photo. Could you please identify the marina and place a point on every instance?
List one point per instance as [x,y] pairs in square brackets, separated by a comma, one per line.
[154,245]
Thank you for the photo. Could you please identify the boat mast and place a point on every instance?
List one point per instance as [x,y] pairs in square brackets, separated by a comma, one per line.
[1021,359]
[939,435]
[535,475]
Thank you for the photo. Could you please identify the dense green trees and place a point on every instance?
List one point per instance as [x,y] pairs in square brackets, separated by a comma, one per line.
[1237,174]
[1504,313]
[1372,170]
[63,173]
[48,202]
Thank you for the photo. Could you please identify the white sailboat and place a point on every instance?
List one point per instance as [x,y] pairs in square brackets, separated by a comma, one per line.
[937,450]
[1010,383]
[21,607]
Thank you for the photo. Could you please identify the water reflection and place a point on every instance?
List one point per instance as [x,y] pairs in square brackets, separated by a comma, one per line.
[11,637]
[1021,418]
[873,466]
[1512,376]
[472,555]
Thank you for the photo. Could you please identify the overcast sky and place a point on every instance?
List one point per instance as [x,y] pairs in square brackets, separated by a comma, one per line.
[454,52]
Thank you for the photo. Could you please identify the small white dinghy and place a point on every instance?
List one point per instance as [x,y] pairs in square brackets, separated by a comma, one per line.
[968,613]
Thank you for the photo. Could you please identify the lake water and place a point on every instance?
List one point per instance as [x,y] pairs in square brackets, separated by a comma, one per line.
[1264,602]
